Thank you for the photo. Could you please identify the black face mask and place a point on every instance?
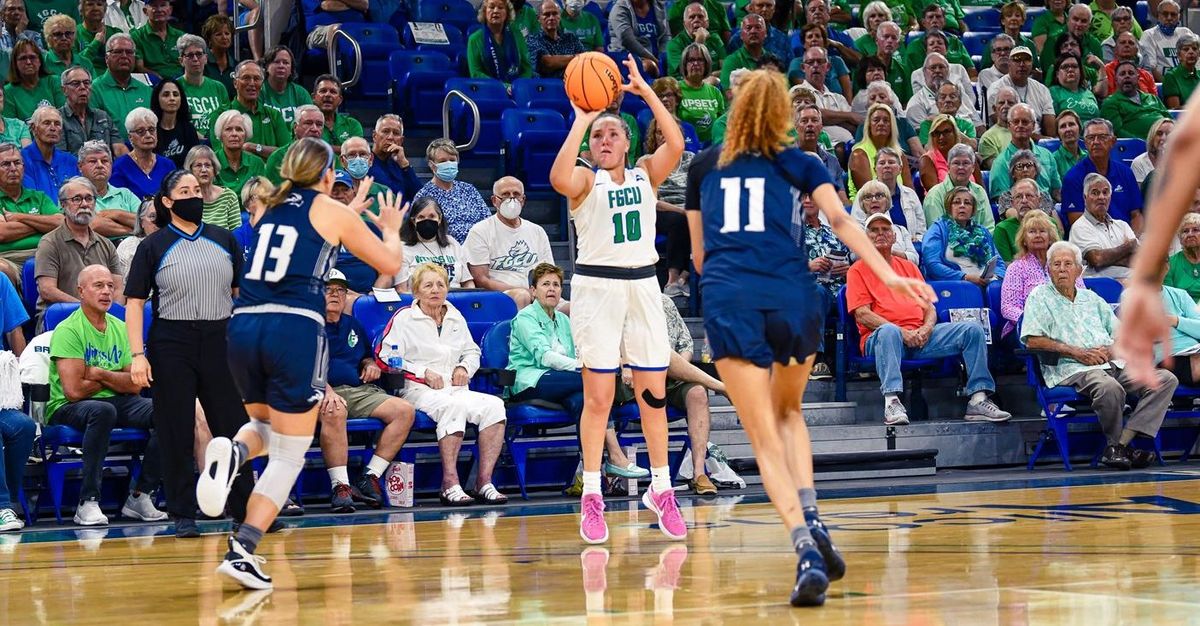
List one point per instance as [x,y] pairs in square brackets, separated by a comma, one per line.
[427,229]
[189,209]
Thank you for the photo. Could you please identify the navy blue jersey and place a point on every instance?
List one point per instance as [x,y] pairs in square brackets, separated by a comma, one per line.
[289,259]
[748,208]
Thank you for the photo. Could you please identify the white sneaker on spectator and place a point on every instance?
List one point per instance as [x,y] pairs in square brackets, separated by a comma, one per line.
[10,521]
[894,414]
[141,507]
[986,411]
[88,513]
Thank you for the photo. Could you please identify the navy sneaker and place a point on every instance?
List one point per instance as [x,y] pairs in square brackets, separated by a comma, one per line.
[811,581]
[835,565]
[244,567]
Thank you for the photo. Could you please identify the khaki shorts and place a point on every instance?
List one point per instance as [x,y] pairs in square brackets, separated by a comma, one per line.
[677,391]
[362,400]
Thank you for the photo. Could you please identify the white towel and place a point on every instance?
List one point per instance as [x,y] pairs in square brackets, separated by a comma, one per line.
[10,382]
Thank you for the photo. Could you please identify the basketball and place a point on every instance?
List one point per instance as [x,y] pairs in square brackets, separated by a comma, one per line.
[592,80]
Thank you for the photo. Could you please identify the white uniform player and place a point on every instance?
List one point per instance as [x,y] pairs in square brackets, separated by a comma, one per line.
[616,310]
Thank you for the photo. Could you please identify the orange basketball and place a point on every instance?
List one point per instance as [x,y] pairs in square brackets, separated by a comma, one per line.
[592,81]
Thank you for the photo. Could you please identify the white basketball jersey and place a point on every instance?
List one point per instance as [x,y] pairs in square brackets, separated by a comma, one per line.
[615,223]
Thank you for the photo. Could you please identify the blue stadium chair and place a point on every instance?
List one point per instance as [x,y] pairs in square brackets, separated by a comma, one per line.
[455,47]
[850,359]
[976,42]
[527,91]
[59,461]
[691,142]
[419,79]
[29,291]
[1141,13]
[1176,114]
[521,415]
[491,98]
[633,105]
[532,138]
[314,17]
[600,13]
[458,13]
[377,42]
[626,415]
[375,315]
[1128,149]
[59,311]
[482,309]
[985,19]
[1031,15]
[1050,143]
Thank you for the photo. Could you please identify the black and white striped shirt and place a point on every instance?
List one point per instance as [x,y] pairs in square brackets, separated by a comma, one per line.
[191,277]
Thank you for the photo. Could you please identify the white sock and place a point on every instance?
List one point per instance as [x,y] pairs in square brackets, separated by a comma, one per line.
[377,466]
[660,478]
[889,398]
[977,397]
[338,475]
[591,483]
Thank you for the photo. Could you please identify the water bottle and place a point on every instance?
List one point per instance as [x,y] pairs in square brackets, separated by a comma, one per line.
[394,362]
[706,352]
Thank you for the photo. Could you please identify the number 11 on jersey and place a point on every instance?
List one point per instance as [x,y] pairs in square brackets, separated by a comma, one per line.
[733,188]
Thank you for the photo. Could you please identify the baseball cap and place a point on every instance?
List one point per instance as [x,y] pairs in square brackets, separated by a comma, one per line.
[1020,50]
[870,218]
[335,276]
[343,178]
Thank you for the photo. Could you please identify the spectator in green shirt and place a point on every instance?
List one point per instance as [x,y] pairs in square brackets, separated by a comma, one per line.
[714,11]
[218,34]
[1069,153]
[583,25]
[91,33]
[281,92]
[63,51]
[1069,91]
[327,94]
[156,41]
[951,18]
[28,214]
[116,91]
[1183,267]
[1102,22]
[702,102]
[695,30]
[13,130]
[874,14]
[29,86]
[1131,111]
[934,18]
[1012,19]
[233,129]
[887,52]
[754,33]
[116,207]
[310,122]
[204,95]
[222,207]
[268,129]
[495,51]
[1180,81]
[1050,24]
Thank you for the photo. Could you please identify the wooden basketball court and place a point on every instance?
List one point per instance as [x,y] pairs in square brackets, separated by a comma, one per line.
[1088,548]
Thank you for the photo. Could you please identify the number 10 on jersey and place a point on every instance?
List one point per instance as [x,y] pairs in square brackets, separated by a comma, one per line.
[734,189]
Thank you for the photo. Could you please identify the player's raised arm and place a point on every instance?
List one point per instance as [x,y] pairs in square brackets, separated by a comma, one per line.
[666,157]
[852,235]
[566,178]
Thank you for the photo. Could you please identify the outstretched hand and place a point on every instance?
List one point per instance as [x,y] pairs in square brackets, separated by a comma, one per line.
[1143,323]
[391,211]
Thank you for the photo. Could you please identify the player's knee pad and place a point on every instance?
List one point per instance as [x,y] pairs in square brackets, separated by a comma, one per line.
[260,429]
[283,467]
[652,400]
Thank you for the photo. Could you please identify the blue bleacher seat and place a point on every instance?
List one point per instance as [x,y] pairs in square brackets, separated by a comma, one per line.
[482,309]
[1031,15]
[527,91]
[458,13]
[1128,149]
[374,315]
[521,415]
[532,138]
[29,291]
[976,42]
[1050,143]
[418,79]
[57,312]
[982,19]
[455,46]
[58,462]
[1141,13]
[377,42]
[491,98]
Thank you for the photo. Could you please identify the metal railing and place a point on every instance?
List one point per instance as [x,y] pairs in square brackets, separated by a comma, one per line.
[238,30]
[446,118]
[333,48]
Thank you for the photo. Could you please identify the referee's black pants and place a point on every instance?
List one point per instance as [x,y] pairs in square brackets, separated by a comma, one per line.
[188,363]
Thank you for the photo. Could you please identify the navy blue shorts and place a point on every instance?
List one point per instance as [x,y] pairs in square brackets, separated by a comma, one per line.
[764,337]
[279,359]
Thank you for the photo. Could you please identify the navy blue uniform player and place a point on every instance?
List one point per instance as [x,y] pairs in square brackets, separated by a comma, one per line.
[277,350]
[763,314]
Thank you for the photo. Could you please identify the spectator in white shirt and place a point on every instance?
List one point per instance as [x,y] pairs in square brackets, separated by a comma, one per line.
[1108,244]
[426,241]
[840,121]
[503,248]
[1029,91]
[925,77]
[1159,45]
[1002,45]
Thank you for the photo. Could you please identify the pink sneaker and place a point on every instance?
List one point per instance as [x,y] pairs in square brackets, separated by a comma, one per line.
[595,577]
[670,520]
[592,526]
[670,566]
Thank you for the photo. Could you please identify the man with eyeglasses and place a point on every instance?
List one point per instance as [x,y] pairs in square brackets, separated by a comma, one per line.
[925,104]
[65,251]
[309,123]
[1002,45]
[156,40]
[391,167]
[1029,91]
[268,128]
[839,120]
[15,20]
[204,95]
[503,248]
[1131,110]
[81,121]
[1021,122]
[47,167]
[116,91]
[1107,241]
[695,30]
[116,207]
[1126,201]
[25,214]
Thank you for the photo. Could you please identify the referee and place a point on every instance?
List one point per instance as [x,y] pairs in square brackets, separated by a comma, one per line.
[191,270]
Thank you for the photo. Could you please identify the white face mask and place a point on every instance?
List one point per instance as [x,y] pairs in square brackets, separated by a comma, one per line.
[510,209]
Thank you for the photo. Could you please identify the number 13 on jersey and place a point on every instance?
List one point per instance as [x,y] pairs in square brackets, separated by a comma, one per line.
[735,189]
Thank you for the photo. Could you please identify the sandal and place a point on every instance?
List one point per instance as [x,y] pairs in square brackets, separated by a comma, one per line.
[488,494]
[455,496]
[291,509]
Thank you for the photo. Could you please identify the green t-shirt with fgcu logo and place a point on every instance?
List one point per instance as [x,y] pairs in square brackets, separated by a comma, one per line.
[76,338]
[39,11]
[203,100]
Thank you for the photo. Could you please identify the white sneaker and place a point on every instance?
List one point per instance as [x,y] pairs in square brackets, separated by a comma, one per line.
[141,507]
[244,567]
[88,513]
[9,521]
[221,463]
[894,414]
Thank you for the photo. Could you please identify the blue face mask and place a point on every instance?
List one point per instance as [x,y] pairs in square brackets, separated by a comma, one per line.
[1167,30]
[357,167]
[447,171]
